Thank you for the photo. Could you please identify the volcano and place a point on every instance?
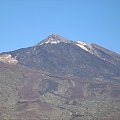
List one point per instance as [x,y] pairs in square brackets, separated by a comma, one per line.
[60,79]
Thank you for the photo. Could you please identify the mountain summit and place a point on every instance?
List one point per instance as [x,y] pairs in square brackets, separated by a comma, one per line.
[54,39]
[59,79]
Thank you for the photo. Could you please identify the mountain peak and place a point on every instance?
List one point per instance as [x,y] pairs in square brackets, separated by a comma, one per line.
[54,39]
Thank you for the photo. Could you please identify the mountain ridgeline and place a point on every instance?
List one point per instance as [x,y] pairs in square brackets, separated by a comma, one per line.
[61,56]
[60,79]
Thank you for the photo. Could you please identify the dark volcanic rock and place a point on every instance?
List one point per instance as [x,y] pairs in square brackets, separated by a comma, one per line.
[65,57]
[48,86]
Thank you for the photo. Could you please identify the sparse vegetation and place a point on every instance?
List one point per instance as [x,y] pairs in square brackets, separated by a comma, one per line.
[60,82]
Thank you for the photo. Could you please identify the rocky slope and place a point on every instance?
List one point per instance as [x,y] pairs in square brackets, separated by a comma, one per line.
[59,79]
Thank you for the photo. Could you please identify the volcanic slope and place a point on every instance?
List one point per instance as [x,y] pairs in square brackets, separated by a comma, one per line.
[58,55]
[59,79]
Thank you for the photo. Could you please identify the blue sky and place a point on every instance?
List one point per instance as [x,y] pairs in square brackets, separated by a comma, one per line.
[24,23]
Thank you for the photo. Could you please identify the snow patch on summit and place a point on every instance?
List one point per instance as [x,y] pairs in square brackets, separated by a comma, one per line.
[82,45]
[54,39]
[52,42]
[86,46]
